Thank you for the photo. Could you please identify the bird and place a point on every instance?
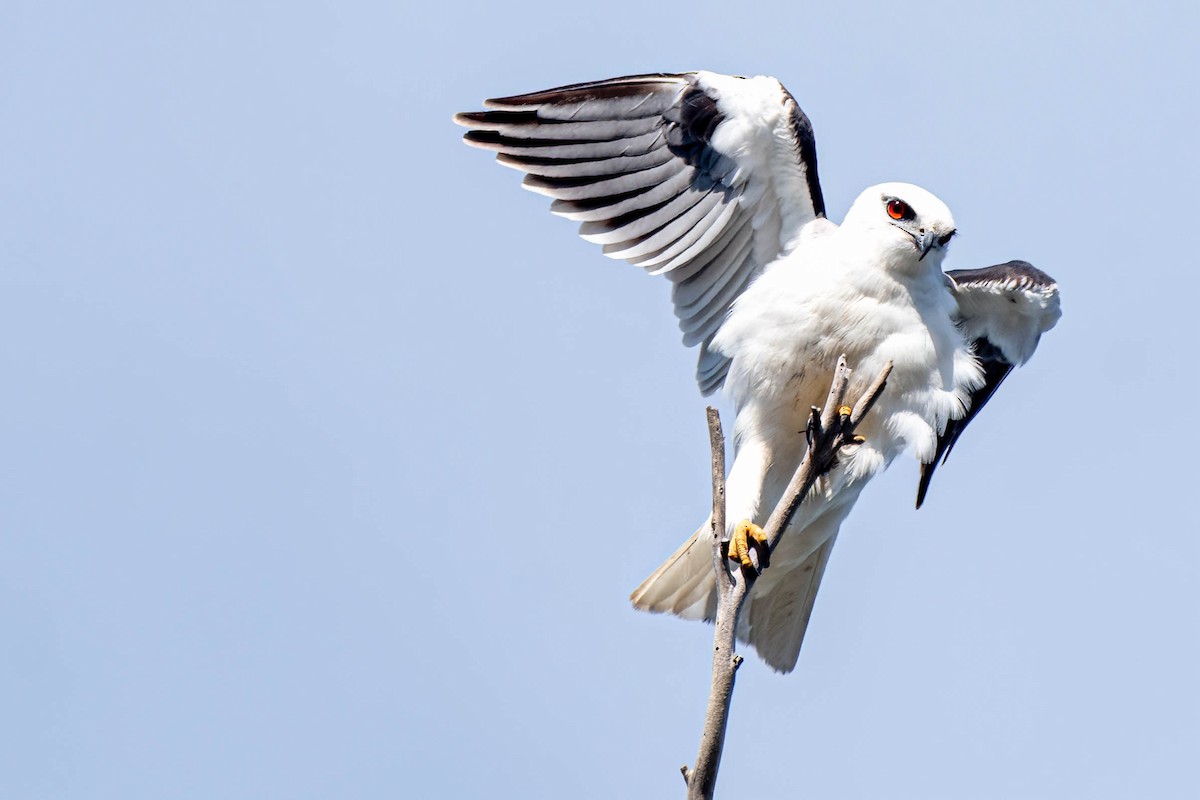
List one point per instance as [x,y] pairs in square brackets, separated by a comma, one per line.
[711,181]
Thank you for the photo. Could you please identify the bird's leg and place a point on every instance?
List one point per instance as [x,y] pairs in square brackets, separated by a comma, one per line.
[739,546]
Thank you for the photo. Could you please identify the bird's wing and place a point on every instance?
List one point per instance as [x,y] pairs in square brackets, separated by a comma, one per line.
[1003,312]
[703,178]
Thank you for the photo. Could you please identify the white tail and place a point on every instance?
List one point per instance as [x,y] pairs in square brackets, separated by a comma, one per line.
[777,611]
[684,584]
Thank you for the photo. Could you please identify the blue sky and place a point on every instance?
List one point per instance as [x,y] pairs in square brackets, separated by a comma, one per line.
[329,458]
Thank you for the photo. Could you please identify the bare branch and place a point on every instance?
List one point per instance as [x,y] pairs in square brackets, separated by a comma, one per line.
[829,431]
[716,442]
[828,434]
[702,780]
[867,401]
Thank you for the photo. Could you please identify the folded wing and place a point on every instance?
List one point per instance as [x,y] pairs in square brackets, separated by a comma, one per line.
[1003,312]
[703,178]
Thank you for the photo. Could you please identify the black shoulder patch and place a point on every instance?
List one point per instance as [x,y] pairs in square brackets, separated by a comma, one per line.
[693,129]
[806,142]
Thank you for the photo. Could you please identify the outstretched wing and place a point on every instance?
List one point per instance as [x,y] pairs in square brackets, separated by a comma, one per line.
[1003,312]
[701,177]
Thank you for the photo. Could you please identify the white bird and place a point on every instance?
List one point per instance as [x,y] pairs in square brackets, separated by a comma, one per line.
[711,180]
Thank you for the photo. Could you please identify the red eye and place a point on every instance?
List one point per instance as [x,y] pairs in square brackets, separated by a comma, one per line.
[898,209]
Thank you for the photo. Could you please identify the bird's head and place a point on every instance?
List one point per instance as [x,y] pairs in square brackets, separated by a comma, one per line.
[908,223]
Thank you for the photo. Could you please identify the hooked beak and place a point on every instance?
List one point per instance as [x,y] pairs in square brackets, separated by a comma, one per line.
[927,240]
[925,243]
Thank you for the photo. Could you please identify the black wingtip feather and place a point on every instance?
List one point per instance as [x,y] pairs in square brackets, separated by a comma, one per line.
[495,120]
[995,370]
[591,90]
[923,486]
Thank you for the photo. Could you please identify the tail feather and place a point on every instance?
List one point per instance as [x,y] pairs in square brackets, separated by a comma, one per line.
[684,585]
[778,616]
[775,617]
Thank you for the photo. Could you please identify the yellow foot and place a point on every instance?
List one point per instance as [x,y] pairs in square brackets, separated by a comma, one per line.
[845,411]
[739,546]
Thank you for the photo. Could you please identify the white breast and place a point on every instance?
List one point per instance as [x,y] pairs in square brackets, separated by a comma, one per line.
[785,333]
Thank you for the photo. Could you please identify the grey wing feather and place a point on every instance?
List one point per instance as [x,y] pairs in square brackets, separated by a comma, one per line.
[680,174]
[1003,312]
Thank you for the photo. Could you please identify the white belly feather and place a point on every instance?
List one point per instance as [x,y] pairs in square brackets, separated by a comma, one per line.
[784,336]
